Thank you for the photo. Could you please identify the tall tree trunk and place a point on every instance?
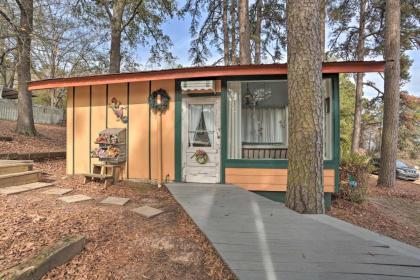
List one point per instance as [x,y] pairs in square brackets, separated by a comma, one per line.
[25,121]
[257,34]
[234,58]
[116,29]
[305,191]
[244,33]
[391,94]
[360,56]
[225,33]
[322,15]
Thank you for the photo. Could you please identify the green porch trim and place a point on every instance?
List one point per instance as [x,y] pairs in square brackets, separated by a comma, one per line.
[281,197]
[223,120]
[244,163]
[336,127]
[178,131]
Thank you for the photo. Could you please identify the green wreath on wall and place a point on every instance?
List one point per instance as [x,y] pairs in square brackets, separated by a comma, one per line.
[159,100]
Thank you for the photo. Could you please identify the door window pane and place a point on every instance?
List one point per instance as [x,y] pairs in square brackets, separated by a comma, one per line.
[200,125]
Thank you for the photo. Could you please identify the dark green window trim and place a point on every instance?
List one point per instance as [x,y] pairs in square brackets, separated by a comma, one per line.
[178,132]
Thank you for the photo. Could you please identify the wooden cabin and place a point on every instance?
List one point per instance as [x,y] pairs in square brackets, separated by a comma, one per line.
[224,124]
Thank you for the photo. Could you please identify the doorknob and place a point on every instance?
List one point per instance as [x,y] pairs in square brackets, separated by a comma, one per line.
[218,133]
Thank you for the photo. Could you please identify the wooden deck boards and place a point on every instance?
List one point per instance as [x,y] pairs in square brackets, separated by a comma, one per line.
[261,239]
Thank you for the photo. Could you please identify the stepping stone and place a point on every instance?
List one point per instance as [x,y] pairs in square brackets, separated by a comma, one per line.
[147,211]
[115,200]
[58,191]
[75,198]
[24,188]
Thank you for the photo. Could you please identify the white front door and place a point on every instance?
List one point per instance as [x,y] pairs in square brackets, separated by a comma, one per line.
[201,139]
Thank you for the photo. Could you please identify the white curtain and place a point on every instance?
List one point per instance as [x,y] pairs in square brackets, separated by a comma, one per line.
[193,121]
[208,114]
[264,125]
[234,120]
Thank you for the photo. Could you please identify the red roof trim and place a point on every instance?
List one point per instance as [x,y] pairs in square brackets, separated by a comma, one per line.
[199,72]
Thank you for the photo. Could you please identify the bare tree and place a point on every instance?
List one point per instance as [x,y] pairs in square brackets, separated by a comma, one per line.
[360,55]
[23,32]
[257,33]
[226,57]
[244,33]
[61,47]
[233,53]
[132,22]
[305,191]
[391,94]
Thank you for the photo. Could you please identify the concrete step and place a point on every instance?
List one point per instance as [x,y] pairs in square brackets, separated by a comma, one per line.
[20,178]
[11,167]
[24,188]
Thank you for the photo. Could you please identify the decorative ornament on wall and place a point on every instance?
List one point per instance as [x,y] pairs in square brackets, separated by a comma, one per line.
[201,156]
[118,110]
[159,100]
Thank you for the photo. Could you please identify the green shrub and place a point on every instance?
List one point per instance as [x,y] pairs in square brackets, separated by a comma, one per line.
[354,174]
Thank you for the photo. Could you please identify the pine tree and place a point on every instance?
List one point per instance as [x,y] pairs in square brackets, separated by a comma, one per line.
[387,172]
[305,191]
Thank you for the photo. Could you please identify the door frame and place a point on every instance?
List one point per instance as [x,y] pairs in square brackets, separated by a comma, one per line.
[201,100]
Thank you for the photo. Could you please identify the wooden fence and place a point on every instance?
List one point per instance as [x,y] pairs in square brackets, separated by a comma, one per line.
[42,114]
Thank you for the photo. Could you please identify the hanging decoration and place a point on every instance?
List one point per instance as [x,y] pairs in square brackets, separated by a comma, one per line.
[159,100]
[201,156]
[118,110]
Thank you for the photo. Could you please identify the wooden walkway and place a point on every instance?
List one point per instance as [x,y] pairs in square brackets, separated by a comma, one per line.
[262,239]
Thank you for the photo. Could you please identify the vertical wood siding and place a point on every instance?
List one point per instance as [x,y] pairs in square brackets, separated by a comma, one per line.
[265,179]
[93,114]
[81,129]
[98,115]
[168,133]
[138,147]
[69,132]
[119,91]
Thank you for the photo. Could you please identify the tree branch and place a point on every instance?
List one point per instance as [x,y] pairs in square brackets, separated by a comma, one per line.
[6,17]
[133,15]
[108,11]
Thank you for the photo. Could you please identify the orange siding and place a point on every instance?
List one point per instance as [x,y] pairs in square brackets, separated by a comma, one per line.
[260,179]
[119,91]
[168,134]
[98,115]
[81,130]
[138,144]
[69,132]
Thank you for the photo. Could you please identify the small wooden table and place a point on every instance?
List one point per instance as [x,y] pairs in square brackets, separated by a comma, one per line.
[108,173]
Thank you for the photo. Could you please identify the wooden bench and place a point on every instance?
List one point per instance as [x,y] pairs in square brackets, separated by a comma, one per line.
[107,173]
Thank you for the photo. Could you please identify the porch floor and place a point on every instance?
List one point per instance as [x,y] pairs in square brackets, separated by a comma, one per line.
[262,239]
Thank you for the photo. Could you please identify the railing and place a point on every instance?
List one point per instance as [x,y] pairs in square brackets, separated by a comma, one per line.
[264,153]
[42,114]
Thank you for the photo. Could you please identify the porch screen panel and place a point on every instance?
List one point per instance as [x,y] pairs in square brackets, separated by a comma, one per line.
[258,119]
[234,123]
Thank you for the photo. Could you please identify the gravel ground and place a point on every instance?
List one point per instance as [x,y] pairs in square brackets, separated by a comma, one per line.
[392,212]
[51,138]
[120,244]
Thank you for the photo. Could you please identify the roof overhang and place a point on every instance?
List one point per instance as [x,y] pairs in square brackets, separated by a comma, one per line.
[203,72]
